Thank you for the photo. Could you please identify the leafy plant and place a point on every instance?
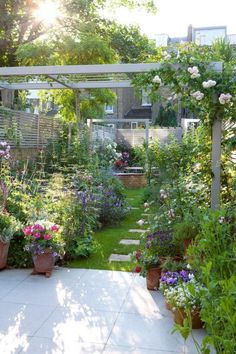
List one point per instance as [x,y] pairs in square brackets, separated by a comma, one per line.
[9,225]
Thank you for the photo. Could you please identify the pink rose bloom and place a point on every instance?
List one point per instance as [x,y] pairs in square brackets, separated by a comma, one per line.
[47,237]
[37,235]
[54,228]
[38,227]
[27,230]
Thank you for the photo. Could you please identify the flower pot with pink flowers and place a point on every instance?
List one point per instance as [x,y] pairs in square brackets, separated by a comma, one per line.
[45,244]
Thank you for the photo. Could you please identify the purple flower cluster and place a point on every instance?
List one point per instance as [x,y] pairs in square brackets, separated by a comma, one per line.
[161,242]
[172,278]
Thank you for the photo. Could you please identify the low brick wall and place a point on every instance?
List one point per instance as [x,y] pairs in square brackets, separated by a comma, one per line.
[132,180]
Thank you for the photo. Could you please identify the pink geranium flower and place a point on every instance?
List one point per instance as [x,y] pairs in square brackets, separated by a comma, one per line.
[54,228]
[27,230]
[38,227]
[47,237]
[37,235]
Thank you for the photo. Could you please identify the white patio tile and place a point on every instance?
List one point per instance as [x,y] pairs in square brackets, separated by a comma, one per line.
[101,296]
[15,274]
[41,292]
[37,345]
[22,319]
[143,332]
[12,343]
[6,285]
[78,325]
[95,277]
[110,349]
[190,347]
[146,303]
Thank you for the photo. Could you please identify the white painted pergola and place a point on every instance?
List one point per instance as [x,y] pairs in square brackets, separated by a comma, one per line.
[78,77]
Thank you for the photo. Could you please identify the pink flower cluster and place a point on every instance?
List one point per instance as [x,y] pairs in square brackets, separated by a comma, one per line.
[4,150]
[38,231]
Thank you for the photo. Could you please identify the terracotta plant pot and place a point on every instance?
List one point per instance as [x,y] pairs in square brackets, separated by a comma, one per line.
[168,306]
[4,246]
[43,263]
[153,278]
[180,315]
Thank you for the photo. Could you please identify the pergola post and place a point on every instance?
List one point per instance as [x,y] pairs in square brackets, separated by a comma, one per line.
[216,163]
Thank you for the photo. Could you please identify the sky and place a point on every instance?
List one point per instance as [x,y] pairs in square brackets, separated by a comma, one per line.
[174,16]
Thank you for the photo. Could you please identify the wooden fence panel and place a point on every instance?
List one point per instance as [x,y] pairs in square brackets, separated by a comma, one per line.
[27,130]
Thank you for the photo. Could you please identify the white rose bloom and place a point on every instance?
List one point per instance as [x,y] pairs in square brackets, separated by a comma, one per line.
[197,95]
[225,98]
[156,80]
[194,72]
[208,84]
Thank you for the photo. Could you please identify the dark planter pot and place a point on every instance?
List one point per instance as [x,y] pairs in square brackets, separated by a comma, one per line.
[153,278]
[43,264]
[4,247]
[180,315]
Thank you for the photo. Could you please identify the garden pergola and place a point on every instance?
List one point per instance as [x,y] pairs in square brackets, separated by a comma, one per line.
[78,77]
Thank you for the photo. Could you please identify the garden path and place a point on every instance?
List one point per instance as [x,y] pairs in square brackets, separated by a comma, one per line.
[117,242]
[85,311]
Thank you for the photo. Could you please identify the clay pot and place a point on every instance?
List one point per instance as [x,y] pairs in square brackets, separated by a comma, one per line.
[43,263]
[180,315]
[4,246]
[153,278]
[168,306]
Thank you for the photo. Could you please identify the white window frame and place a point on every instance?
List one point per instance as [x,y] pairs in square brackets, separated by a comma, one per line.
[146,102]
[109,108]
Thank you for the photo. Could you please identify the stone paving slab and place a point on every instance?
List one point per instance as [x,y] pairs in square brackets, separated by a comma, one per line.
[119,258]
[137,230]
[134,208]
[129,242]
[92,312]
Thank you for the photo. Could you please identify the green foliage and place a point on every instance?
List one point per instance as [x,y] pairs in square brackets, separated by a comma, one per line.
[213,254]
[9,225]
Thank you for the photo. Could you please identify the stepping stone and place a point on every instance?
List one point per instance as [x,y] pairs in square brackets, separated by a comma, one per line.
[144,214]
[129,242]
[137,230]
[119,258]
[134,208]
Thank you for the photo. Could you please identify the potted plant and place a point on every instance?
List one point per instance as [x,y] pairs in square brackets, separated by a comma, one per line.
[184,299]
[8,226]
[45,244]
[184,233]
[149,267]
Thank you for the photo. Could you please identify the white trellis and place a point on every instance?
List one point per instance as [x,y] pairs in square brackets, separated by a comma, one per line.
[78,77]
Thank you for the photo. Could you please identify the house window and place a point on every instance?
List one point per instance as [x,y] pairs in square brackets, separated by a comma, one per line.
[109,109]
[134,125]
[146,100]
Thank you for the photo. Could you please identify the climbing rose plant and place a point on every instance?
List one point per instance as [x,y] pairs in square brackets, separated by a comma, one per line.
[206,89]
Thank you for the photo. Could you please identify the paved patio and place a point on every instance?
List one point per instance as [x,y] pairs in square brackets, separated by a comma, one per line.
[85,311]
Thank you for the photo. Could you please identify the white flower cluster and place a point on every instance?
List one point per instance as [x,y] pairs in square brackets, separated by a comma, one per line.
[156,80]
[166,55]
[163,194]
[181,297]
[198,95]
[208,84]
[225,98]
[194,72]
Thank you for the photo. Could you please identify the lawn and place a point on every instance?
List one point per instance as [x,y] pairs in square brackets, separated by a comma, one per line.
[109,237]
